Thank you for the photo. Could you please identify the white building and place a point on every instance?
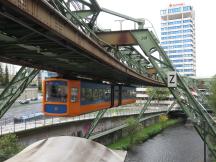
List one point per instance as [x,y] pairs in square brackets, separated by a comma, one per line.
[47,74]
[12,69]
[141,95]
[178,37]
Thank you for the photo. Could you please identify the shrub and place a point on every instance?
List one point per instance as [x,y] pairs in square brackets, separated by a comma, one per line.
[132,128]
[9,146]
[163,118]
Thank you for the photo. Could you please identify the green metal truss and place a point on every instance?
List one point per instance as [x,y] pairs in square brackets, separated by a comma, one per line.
[170,107]
[15,88]
[84,15]
[101,113]
[145,107]
[187,102]
[200,96]
[95,122]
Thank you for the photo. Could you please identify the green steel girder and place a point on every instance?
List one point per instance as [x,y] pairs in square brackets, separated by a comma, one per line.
[203,99]
[94,123]
[83,14]
[124,56]
[133,59]
[64,8]
[188,103]
[101,113]
[82,2]
[170,107]
[80,15]
[145,106]
[96,9]
[200,96]
[15,88]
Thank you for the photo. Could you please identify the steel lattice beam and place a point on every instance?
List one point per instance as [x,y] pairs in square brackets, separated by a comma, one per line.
[94,123]
[16,87]
[188,103]
[145,106]
[63,32]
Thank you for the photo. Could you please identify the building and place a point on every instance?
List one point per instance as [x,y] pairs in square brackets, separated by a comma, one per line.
[201,83]
[178,37]
[141,95]
[12,69]
[46,74]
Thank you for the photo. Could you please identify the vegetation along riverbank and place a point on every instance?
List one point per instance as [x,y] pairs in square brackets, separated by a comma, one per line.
[138,133]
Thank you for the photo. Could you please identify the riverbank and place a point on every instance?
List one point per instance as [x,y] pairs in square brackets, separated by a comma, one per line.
[143,134]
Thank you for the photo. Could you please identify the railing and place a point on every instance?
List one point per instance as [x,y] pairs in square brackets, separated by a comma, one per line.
[8,125]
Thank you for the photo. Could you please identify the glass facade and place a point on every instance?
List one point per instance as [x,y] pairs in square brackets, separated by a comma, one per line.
[178,37]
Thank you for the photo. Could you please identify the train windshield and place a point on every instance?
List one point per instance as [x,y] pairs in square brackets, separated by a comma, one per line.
[56,91]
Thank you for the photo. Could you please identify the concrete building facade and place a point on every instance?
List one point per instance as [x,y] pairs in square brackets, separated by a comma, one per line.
[178,37]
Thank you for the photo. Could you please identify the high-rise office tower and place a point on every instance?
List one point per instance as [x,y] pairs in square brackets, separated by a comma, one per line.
[178,37]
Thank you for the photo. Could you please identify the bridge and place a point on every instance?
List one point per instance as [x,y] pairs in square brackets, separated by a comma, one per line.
[46,40]
[62,36]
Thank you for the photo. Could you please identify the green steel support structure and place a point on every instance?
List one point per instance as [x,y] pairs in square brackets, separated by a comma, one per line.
[188,103]
[102,112]
[15,88]
[127,55]
[200,96]
[202,99]
[170,107]
[84,17]
[95,122]
[145,106]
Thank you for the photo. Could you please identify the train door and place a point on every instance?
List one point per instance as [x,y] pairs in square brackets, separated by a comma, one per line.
[112,95]
[120,95]
[74,100]
[116,95]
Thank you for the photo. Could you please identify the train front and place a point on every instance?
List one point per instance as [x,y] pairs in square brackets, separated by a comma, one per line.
[55,97]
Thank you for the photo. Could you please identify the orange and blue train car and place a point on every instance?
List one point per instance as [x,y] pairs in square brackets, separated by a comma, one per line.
[63,97]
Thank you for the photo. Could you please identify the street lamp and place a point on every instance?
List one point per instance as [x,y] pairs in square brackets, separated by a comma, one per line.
[120,22]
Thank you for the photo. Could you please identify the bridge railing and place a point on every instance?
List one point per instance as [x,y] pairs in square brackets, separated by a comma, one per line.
[9,125]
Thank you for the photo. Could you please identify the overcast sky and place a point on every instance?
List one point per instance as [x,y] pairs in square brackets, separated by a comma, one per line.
[204,21]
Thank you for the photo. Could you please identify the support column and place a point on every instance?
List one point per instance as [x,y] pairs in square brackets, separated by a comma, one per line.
[16,87]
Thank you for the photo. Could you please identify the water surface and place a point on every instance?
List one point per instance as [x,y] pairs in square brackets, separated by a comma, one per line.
[176,144]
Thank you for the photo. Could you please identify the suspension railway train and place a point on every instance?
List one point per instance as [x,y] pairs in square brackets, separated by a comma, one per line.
[75,97]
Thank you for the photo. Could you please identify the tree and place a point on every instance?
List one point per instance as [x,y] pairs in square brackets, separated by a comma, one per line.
[212,94]
[1,76]
[132,128]
[6,79]
[159,93]
[9,146]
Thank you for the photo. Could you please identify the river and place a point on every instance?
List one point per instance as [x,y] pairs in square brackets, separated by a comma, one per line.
[176,144]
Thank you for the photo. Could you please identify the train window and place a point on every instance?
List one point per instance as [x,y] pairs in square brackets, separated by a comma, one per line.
[124,93]
[83,97]
[134,93]
[74,94]
[88,94]
[116,93]
[56,91]
[95,94]
[107,94]
[101,94]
